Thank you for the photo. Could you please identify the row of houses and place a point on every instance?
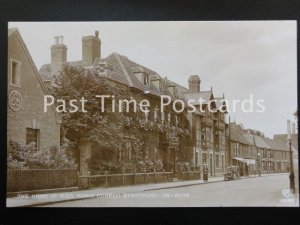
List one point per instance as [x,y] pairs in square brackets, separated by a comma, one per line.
[254,152]
[213,141]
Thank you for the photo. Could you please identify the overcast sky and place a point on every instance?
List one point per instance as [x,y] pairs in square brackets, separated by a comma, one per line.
[237,58]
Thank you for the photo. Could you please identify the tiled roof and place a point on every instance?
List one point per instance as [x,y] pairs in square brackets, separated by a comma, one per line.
[260,143]
[45,72]
[242,136]
[122,71]
[127,65]
[237,134]
[276,145]
[249,138]
[205,95]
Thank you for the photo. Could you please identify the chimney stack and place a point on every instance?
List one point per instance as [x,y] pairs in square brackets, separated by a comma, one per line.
[90,49]
[194,84]
[58,55]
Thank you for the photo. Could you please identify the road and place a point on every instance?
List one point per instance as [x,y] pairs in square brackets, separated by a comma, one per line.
[258,191]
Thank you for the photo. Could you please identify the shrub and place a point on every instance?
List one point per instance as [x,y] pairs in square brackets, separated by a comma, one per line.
[27,157]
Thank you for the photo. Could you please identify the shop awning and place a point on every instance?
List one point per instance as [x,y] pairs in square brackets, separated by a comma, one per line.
[247,161]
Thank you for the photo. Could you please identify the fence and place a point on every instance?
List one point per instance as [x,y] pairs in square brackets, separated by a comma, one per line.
[189,175]
[37,179]
[109,180]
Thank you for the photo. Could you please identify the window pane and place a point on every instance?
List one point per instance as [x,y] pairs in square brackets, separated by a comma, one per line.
[31,136]
[14,73]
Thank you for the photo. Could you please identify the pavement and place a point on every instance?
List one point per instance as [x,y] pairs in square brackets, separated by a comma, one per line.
[32,200]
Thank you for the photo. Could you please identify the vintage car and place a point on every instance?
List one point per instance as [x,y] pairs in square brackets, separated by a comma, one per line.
[231,173]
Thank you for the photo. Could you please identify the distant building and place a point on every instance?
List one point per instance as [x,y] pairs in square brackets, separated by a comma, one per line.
[252,151]
[27,121]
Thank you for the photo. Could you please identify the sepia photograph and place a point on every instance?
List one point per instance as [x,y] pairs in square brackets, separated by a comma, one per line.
[152,114]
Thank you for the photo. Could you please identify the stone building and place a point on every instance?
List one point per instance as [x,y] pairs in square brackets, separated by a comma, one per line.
[26,120]
[208,127]
[143,83]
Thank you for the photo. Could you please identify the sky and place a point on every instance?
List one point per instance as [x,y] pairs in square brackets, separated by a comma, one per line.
[237,58]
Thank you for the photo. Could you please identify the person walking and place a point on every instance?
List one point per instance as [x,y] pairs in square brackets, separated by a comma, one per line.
[205,173]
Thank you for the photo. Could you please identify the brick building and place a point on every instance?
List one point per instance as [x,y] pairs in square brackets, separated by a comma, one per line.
[254,152]
[26,120]
[143,82]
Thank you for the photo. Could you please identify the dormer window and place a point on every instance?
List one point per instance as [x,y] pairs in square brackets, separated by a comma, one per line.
[141,75]
[171,89]
[102,67]
[162,85]
[146,79]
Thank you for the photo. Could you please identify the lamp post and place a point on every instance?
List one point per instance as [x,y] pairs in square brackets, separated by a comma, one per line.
[258,160]
[292,176]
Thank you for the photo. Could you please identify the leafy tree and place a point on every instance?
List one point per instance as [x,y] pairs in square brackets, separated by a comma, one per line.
[94,124]
[106,129]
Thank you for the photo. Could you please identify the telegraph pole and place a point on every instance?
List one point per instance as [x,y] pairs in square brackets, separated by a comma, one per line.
[292,176]
[229,144]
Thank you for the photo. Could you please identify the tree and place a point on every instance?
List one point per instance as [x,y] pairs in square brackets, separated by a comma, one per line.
[103,127]
[95,125]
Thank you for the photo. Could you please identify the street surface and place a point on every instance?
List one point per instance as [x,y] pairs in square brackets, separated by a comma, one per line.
[258,191]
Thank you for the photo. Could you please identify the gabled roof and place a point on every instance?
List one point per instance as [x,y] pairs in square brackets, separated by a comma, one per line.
[240,135]
[276,145]
[15,31]
[237,134]
[260,143]
[249,138]
[220,102]
[195,96]
[11,31]
[121,72]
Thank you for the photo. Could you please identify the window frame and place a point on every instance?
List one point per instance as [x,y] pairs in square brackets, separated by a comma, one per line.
[18,83]
[37,137]
[217,161]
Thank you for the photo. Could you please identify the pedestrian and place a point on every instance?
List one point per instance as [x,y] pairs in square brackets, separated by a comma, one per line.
[238,172]
[205,173]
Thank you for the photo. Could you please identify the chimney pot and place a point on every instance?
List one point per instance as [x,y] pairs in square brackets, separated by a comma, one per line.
[61,39]
[56,40]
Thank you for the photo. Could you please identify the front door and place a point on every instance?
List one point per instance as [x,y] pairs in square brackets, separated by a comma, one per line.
[169,160]
[172,159]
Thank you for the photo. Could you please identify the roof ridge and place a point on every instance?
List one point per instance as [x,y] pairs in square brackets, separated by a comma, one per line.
[123,68]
